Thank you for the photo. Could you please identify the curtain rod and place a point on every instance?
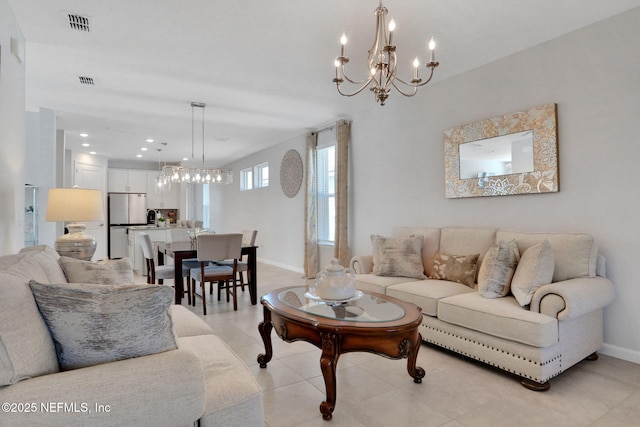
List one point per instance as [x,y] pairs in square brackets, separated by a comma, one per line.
[329,126]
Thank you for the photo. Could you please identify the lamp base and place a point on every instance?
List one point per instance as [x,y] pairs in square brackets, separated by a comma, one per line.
[76,244]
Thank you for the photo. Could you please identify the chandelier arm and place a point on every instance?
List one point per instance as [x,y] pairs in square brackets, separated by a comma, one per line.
[355,82]
[428,80]
[373,52]
[368,82]
[416,84]
[415,89]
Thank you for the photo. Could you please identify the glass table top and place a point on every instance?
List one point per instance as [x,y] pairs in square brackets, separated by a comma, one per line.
[362,307]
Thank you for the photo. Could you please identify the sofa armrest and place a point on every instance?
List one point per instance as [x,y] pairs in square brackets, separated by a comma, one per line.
[580,296]
[362,264]
[165,389]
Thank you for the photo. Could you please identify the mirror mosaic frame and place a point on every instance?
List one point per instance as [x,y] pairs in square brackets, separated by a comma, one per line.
[542,120]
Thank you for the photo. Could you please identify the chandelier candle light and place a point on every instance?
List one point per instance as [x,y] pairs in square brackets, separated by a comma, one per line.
[382,63]
[195,175]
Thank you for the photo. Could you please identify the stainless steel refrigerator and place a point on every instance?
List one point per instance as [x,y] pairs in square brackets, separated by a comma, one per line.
[125,210]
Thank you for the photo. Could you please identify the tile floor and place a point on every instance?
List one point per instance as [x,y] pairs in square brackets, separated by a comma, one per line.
[375,391]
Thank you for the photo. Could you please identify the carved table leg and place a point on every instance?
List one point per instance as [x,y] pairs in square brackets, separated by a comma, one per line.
[265,332]
[410,350]
[328,364]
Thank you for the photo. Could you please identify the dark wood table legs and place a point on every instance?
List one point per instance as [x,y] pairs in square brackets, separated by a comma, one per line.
[265,332]
[328,364]
[334,342]
[183,250]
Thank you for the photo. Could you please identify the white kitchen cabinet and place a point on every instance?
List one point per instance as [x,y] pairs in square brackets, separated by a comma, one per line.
[167,199]
[127,181]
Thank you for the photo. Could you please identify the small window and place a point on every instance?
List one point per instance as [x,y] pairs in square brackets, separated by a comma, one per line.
[246,179]
[262,175]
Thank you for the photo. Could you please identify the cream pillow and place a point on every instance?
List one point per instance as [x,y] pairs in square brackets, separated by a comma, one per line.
[399,257]
[534,270]
[497,269]
[455,268]
[108,272]
[92,324]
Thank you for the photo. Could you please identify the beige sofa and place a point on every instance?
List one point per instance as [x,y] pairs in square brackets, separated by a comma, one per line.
[561,326]
[202,380]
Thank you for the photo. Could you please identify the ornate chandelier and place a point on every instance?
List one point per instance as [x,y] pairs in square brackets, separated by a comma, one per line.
[382,63]
[194,175]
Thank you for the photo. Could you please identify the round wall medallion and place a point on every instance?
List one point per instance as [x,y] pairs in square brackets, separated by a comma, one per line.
[291,173]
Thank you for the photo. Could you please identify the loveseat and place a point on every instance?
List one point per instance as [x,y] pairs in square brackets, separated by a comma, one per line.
[534,310]
[200,380]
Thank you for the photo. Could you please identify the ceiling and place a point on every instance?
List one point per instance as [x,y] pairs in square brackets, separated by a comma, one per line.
[263,68]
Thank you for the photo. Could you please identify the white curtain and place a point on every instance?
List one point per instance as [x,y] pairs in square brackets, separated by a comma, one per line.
[341,249]
[311,259]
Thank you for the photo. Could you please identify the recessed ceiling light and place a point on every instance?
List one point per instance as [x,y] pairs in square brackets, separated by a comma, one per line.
[149,140]
[144,148]
[138,155]
[92,152]
[85,144]
[84,135]
[184,159]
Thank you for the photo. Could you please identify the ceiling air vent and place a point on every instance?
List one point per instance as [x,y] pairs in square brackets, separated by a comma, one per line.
[86,80]
[79,22]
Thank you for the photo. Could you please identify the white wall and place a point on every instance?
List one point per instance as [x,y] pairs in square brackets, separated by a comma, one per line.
[398,174]
[12,135]
[278,218]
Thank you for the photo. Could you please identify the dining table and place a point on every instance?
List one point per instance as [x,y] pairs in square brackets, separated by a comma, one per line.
[183,250]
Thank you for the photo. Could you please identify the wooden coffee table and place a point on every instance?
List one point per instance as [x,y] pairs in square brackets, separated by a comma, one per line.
[373,323]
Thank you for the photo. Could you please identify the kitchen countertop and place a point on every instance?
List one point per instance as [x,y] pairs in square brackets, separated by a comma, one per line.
[153,227]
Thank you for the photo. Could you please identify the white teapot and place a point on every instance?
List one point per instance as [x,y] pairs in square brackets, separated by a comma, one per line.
[335,282]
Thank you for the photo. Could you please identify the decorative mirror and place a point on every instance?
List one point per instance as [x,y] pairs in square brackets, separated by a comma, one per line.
[511,154]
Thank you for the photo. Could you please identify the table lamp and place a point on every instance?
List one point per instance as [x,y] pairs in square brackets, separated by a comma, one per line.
[75,205]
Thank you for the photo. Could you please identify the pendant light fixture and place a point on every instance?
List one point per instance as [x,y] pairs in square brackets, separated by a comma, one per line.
[197,175]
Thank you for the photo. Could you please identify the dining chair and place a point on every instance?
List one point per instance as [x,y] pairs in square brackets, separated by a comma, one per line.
[248,239]
[211,248]
[160,272]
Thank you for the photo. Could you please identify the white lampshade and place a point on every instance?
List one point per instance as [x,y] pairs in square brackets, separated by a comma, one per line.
[74,205]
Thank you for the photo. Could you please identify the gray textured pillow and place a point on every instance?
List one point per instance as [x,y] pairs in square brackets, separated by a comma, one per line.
[93,324]
[399,257]
[496,271]
[536,268]
[455,268]
[108,272]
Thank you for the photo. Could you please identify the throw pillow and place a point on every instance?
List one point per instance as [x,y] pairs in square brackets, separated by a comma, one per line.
[535,269]
[496,271]
[92,324]
[455,268]
[398,256]
[108,272]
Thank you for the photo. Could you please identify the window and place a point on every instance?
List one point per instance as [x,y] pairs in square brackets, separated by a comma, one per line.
[246,179]
[255,177]
[262,175]
[206,207]
[326,166]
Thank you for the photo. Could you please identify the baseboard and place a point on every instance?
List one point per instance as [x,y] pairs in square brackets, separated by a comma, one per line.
[280,265]
[620,353]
